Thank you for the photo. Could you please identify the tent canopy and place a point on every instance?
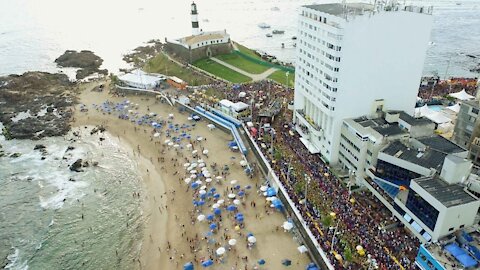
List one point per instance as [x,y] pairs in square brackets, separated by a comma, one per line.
[462,95]
[455,108]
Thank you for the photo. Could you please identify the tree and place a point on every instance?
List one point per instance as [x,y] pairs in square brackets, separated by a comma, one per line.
[327,220]
[347,254]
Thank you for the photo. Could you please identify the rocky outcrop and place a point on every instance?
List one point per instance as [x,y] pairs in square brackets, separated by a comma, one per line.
[43,98]
[87,62]
[76,166]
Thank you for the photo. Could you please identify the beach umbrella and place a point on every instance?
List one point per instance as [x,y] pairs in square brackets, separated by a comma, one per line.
[170,143]
[248,187]
[243,163]
[156,135]
[194,152]
[213,226]
[217,211]
[176,145]
[208,180]
[220,201]
[167,141]
[170,115]
[201,165]
[231,208]
[203,187]
[193,176]
[311,266]
[207,174]
[203,196]
[239,218]
[252,239]
[237,228]
[215,205]
[231,196]
[193,171]
[219,177]
[263,188]
[188,266]
[271,192]
[261,262]
[232,242]
[200,161]
[194,185]
[201,217]
[199,138]
[188,180]
[186,165]
[201,202]
[286,262]
[241,193]
[287,225]
[236,202]
[220,251]
[237,187]
[210,217]
[216,195]
[205,152]
[201,192]
[194,165]
[207,263]
[189,146]
[302,249]
[189,118]
[233,182]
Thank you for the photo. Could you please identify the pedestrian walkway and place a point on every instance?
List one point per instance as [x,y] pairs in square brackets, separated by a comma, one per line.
[255,77]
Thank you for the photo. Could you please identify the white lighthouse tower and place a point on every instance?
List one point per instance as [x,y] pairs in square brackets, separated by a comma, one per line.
[195,26]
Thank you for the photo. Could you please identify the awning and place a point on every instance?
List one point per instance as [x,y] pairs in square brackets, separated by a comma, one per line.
[462,95]
[310,146]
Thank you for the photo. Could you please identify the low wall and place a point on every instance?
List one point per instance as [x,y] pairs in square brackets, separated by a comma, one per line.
[316,252]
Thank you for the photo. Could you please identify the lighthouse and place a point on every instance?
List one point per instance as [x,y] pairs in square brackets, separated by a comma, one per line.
[195,27]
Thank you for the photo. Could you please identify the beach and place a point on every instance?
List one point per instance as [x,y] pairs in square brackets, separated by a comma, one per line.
[173,234]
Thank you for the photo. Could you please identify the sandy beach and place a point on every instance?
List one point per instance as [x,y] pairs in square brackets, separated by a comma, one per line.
[173,235]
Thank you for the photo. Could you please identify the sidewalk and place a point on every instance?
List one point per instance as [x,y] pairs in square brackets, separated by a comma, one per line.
[255,77]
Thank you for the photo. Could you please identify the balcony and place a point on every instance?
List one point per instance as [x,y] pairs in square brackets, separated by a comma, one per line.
[312,127]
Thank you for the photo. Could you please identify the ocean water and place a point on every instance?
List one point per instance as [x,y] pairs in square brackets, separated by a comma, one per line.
[33,33]
[52,218]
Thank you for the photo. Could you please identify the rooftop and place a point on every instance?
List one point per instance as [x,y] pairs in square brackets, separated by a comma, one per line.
[380,125]
[412,120]
[337,9]
[441,144]
[448,195]
[427,159]
[202,37]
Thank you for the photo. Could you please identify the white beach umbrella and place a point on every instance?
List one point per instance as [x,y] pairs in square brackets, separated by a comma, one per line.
[189,118]
[221,201]
[231,196]
[193,171]
[193,176]
[176,145]
[194,164]
[167,141]
[199,138]
[188,180]
[215,205]
[156,135]
[263,188]
[170,143]
[220,251]
[189,146]
[206,174]
[302,249]
[233,182]
[287,226]
[201,217]
[252,239]
[203,187]
[201,165]
[199,182]
[218,177]
[151,114]
[194,152]
[243,163]
[202,191]
[205,152]
[200,161]
[170,115]
[236,202]
[186,165]
[232,242]
[208,180]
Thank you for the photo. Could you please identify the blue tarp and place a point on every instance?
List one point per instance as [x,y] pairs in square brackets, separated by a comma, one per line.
[188,266]
[461,255]
[271,192]
[474,250]
[207,263]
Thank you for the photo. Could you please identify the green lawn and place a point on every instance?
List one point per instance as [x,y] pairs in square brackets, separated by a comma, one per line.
[243,63]
[280,77]
[221,71]
[161,64]
[248,51]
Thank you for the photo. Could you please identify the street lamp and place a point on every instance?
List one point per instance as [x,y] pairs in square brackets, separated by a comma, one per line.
[286,75]
[307,182]
[332,214]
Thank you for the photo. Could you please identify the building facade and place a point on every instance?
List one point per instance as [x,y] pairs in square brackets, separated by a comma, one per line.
[354,60]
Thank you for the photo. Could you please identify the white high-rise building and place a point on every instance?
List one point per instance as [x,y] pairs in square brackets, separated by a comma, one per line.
[354,60]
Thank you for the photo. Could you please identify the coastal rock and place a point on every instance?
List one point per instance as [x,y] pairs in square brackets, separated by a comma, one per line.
[70,148]
[85,164]
[43,98]
[87,61]
[94,163]
[77,166]
[15,155]
[39,146]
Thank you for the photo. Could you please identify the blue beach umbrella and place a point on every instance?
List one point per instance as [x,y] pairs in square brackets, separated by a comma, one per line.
[194,185]
[248,187]
[217,211]
[213,189]
[203,196]
[207,263]
[237,187]
[188,266]
[213,226]
[241,193]
[271,192]
[239,218]
[210,217]
[216,195]
[261,261]
[231,207]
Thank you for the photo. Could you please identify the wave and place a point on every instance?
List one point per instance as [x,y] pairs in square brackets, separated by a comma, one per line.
[14,262]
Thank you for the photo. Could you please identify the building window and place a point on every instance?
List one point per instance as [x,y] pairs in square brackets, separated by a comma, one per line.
[474,110]
[450,229]
[369,152]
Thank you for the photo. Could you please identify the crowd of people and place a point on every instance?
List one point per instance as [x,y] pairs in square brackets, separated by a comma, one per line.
[441,88]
